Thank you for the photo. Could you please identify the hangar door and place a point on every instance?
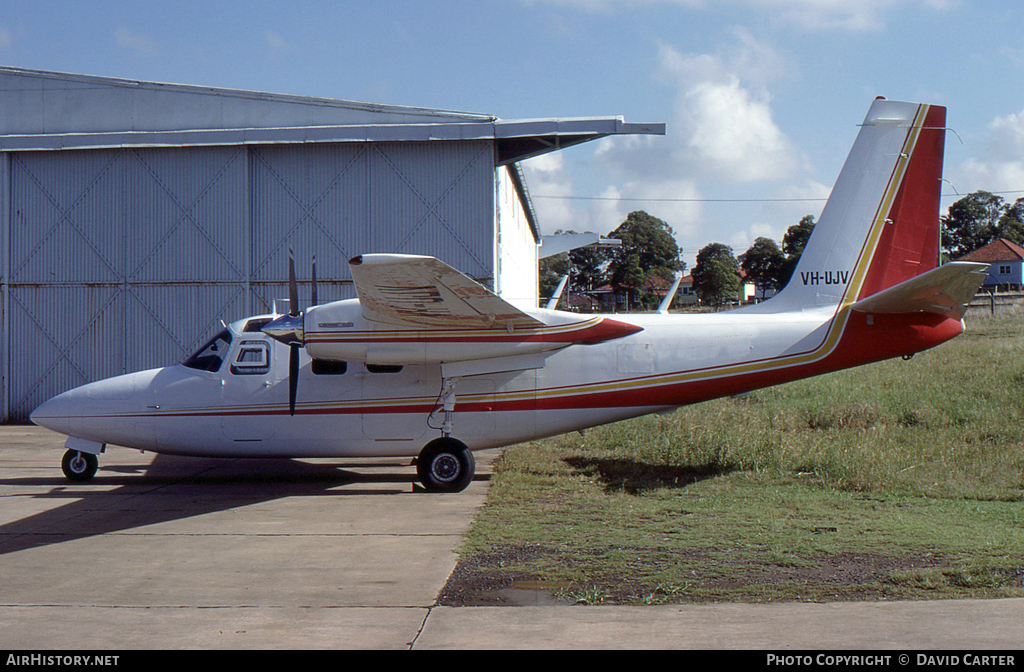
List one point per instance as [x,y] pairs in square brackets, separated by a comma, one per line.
[117,260]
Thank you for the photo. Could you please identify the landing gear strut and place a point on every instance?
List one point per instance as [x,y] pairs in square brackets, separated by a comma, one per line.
[445,465]
[79,466]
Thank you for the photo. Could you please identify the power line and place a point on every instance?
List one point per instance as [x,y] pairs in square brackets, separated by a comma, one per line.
[716,200]
[679,200]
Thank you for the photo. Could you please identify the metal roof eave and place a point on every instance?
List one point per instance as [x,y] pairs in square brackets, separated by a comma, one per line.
[515,173]
[515,140]
[524,139]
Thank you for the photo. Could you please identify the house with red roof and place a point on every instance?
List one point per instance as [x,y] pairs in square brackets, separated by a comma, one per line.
[1006,263]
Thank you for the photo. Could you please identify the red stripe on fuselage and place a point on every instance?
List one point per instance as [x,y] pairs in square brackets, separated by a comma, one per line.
[604,330]
[889,336]
[886,337]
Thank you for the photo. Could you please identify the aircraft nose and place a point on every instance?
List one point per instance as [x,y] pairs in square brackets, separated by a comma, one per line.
[60,414]
[67,411]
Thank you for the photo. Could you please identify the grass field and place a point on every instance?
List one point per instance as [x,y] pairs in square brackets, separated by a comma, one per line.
[898,480]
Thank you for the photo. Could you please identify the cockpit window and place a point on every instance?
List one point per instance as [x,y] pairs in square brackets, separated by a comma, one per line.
[211,356]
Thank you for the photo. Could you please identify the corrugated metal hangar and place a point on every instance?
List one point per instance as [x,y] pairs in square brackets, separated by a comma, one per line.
[135,216]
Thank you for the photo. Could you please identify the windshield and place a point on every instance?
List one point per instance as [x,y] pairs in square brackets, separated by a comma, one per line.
[210,356]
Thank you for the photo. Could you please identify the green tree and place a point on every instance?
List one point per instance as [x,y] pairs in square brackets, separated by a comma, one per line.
[1011,223]
[972,222]
[551,271]
[648,249]
[630,278]
[716,276]
[584,265]
[762,264]
[793,243]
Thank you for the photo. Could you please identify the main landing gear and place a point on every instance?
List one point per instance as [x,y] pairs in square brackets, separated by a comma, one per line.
[78,466]
[445,465]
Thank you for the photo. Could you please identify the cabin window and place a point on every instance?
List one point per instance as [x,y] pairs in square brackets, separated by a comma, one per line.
[326,367]
[253,358]
[211,355]
[383,368]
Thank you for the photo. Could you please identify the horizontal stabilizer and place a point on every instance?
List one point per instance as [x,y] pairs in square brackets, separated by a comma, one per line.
[419,292]
[945,290]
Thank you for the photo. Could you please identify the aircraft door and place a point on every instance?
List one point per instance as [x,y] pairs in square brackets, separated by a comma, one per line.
[252,389]
[396,400]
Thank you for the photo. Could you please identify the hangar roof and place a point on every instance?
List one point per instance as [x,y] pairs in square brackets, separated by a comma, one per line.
[49,110]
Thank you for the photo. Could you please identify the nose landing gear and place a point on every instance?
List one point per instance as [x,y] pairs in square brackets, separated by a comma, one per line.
[78,466]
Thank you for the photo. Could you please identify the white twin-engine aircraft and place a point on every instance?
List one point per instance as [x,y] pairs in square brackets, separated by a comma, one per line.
[429,363]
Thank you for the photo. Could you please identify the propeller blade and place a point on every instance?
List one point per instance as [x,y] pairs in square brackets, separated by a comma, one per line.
[293,377]
[293,289]
[313,298]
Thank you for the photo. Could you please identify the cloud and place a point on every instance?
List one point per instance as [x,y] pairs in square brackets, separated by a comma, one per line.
[1007,136]
[547,178]
[808,15]
[813,15]
[991,176]
[721,132]
[740,241]
[1000,165]
[677,201]
[732,134]
[783,209]
[607,6]
[140,44]
[275,41]
[722,128]
[555,199]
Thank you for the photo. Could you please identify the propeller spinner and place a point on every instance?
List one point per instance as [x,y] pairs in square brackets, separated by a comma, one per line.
[288,329]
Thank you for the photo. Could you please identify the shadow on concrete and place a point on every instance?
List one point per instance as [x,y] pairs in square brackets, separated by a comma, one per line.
[124,497]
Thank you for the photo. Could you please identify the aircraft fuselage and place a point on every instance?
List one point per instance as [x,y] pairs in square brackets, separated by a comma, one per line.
[356,409]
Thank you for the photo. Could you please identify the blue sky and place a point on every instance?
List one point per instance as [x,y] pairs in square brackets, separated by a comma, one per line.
[761,97]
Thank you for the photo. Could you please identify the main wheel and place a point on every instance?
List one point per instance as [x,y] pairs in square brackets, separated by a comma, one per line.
[79,466]
[445,465]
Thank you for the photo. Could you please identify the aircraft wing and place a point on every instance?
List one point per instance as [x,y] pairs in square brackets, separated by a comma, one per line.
[945,290]
[417,291]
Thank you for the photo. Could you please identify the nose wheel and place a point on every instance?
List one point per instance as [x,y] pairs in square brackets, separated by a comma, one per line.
[445,465]
[79,466]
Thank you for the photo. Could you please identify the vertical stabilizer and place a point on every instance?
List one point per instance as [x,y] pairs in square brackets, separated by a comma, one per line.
[880,225]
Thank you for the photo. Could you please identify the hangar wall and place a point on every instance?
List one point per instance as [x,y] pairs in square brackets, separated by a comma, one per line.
[117,260]
[135,216]
[515,246]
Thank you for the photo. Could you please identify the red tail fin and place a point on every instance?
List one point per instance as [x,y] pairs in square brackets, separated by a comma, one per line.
[909,243]
[880,226]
